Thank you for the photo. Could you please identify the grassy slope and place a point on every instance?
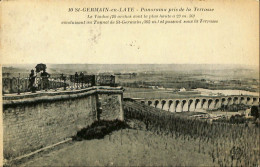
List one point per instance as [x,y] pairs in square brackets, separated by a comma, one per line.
[138,148]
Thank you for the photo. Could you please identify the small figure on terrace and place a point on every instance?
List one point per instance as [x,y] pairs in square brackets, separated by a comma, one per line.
[45,79]
[31,85]
[44,84]
[76,77]
[81,75]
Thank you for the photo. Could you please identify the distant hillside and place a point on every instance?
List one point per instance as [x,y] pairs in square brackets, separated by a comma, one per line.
[236,71]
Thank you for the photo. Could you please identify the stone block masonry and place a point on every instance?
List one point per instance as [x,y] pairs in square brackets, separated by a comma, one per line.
[34,121]
[111,107]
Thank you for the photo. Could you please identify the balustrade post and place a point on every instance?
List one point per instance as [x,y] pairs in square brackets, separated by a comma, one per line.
[63,78]
[72,81]
[55,84]
[45,83]
[77,82]
[82,82]
[18,85]
[64,82]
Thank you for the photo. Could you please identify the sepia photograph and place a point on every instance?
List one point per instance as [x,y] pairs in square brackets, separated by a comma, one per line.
[129,83]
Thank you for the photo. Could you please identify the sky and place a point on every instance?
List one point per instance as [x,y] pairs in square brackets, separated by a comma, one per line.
[32,33]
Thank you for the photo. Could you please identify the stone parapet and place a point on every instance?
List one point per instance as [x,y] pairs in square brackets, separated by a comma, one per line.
[32,121]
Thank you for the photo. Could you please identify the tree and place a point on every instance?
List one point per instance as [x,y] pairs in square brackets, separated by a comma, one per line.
[254,111]
[40,67]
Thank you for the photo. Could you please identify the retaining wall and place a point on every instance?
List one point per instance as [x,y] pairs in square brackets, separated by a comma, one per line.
[33,121]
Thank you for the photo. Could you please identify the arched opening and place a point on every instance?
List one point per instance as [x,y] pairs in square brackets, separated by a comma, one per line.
[242,100]
[235,100]
[156,103]
[149,103]
[163,104]
[176,103]
[229,101]
[178,106]
[248,99]
[183,102]
[184,105]
[216,103]
[170,106]
[142,102]
[223,104]
[191,105]
[203,103]
[210,103]
[196,102]
[170,103]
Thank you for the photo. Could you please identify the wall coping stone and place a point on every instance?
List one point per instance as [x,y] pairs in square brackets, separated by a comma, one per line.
[44,96]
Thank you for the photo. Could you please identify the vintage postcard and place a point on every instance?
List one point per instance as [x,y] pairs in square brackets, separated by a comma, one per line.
[129,83]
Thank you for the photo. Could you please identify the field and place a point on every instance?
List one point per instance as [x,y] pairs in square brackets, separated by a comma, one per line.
[173,76]
[127,147]
[166,93]
[147,93]
[158,138]
[191,80]
[229,144]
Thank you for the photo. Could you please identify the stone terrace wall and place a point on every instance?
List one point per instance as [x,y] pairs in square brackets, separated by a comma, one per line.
[35,121]
[111,107]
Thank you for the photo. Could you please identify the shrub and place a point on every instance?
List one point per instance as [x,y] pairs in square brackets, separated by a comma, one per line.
[237,119]
[99,129]
[255,112]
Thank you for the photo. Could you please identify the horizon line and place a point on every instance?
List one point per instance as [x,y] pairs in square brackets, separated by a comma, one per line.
[127,64]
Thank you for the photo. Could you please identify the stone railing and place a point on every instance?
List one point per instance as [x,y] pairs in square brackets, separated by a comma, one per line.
[24,84]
